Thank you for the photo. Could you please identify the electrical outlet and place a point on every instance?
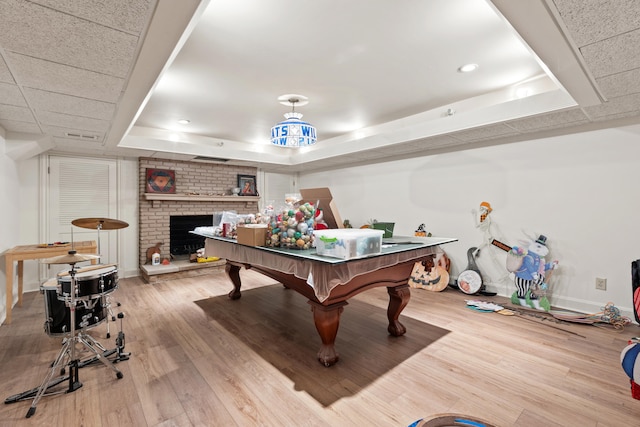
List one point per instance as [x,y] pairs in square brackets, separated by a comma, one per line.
[601,284]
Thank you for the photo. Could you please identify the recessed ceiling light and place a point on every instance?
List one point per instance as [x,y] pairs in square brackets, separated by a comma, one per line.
[523,92]
[467,68]
[184,121]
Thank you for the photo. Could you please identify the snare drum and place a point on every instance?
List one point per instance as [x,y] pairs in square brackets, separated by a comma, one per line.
[90,283]
[89,312]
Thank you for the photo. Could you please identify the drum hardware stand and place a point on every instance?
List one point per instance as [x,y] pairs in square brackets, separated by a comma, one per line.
[120,342]
[121,355]
[107,298]
[69,345]
[118,351]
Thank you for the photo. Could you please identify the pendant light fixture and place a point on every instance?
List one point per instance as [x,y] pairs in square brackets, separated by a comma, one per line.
[293,132]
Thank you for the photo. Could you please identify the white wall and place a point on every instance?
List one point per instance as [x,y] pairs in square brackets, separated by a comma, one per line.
[9,216]
[128,211]
[276,185]
[581,191]
[28,217]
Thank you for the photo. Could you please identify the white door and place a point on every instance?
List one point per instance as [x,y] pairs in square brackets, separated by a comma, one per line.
[82,188]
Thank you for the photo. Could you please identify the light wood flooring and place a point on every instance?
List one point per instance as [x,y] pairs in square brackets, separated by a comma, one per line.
[200,359]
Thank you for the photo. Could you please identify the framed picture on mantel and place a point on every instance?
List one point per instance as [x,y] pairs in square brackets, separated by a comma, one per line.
[160,181]
[247,185]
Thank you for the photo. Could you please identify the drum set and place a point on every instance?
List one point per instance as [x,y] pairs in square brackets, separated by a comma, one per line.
[75,301]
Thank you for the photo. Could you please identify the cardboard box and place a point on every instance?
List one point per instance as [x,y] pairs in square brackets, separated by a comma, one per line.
[252,234]
[322,198]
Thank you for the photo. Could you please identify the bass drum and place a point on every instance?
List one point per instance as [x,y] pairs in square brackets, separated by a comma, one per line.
[89,313]
[91,282]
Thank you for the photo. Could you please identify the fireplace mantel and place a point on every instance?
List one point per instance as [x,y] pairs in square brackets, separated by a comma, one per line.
[199,198]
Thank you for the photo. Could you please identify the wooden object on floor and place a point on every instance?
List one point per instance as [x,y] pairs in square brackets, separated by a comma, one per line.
[26,252]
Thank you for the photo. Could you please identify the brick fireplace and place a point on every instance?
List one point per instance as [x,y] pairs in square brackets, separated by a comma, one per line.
[201,189]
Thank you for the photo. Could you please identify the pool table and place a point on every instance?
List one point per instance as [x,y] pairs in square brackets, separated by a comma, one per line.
[329,282]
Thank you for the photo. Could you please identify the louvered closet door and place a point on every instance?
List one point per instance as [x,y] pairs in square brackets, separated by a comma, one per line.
[82,188]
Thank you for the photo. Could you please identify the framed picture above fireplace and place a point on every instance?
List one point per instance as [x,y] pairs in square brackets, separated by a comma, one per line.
[247,185]
[160,181]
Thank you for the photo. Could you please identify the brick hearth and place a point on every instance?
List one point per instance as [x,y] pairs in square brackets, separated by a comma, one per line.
[179,269]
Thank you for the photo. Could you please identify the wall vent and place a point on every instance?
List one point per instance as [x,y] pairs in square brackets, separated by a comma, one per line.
[82,136]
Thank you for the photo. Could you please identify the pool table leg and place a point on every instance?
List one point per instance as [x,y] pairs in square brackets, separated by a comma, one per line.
[398,299]
[327,320]
[233,271]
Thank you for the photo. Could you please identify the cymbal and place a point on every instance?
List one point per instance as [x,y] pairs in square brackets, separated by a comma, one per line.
[70,258]
[102,223]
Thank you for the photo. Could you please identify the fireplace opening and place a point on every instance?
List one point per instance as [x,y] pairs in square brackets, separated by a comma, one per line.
[181,242]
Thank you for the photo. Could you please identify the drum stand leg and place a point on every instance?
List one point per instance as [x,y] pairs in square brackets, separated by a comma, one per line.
[122,355]
[74,384]
[73,377]
[107,299]
[94,346]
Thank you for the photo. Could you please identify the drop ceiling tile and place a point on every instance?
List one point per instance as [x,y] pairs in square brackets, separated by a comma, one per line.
[487,132]
[10,94]
[39,74]
[73,142]
[21,127]
[12,112]
[126,15]
[5,74]
[614,55]
[549,120]
[41,32]
[592,21]
[73,122]
[358,155]
[619,116]
[626,105]
[437,142]
[42,100]
[620,84]
[419,146]
[83,147]
[397,149]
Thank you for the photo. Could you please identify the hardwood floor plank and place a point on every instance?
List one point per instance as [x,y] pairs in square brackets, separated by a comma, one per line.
[199,358]
[201,404]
